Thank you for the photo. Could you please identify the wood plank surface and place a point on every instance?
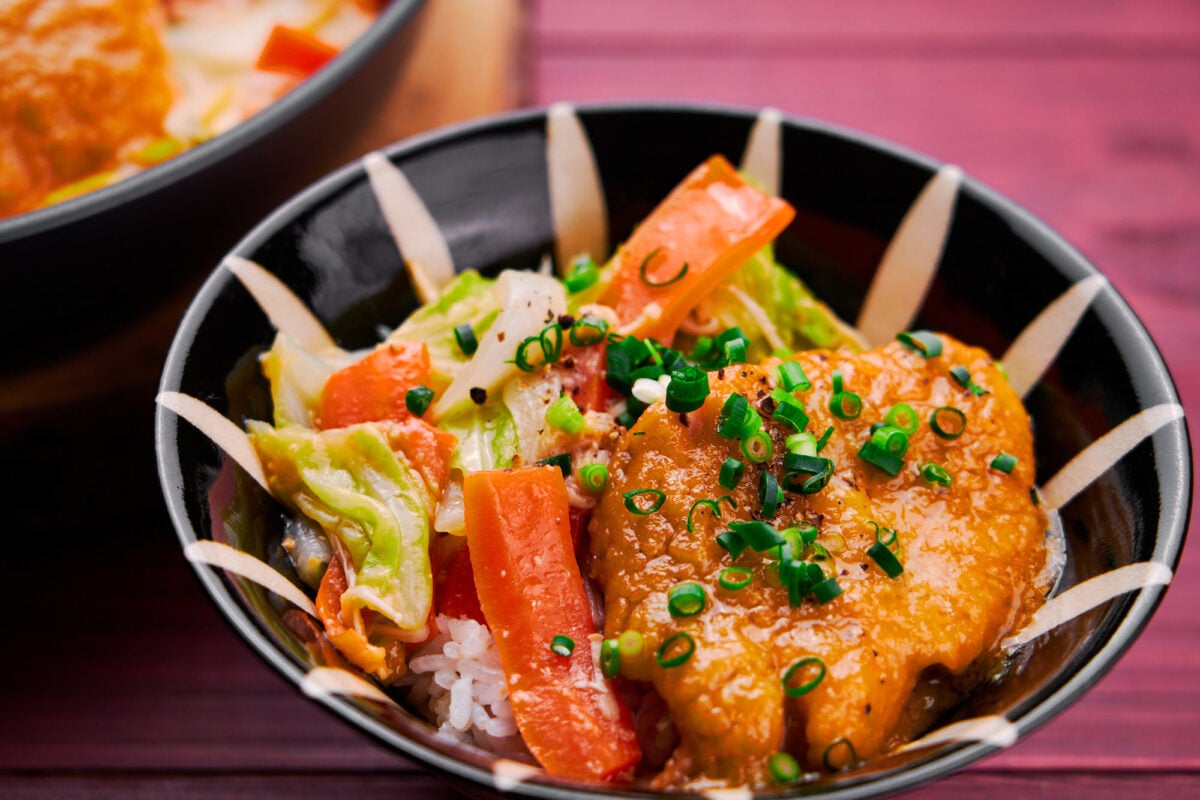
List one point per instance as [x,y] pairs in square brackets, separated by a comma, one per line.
[121,680]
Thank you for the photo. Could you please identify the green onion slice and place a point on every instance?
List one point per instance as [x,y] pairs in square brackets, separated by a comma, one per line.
[594,477]
[731,473]
[836,378]
[417,400]
[564,415]
[686,599]
[796,466]
[923,342]
[948,422]
[936,475]
[551,339]
[792,377]
[630,643]
[733,542]
[687,390]
[789,410]
[886,560]
[809,665]
[561,460]
[758,535]
[845,405]
[963,376]
[465,336]
[562,646]
[885,536]
[631,501]
[783,767]
[843,743]
[769,494]
[758,447]
[893,440]
[827,590]
[804,444]
[734,578]
[824,440]
[903,417]
[877,456]
[676,650]
[658,284]
[583,274]
[733,417]
[610,658]
[715,505]
[588,331]
[1004,462]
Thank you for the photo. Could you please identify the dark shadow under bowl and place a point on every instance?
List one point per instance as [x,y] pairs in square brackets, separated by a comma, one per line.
[486,186]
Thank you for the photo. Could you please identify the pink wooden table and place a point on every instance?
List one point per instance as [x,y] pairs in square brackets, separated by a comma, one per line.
[120,680]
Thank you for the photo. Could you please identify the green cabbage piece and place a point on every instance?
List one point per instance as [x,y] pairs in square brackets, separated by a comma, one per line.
[487,437]
[367,497]
[799,320]
[466,299]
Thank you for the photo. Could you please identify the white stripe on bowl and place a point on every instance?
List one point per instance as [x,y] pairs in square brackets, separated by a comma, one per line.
[285,310]
[219,554]
[1031,354]
[763,158]
[219,430]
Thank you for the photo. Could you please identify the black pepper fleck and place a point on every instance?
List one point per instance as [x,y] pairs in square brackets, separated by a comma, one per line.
[566,320]
[569,362]
[478,395]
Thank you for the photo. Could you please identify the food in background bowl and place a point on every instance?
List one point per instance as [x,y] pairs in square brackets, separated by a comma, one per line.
[92,92]
[732,590]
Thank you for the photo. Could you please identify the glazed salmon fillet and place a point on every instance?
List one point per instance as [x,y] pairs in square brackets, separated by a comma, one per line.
[973,556]
[79,80]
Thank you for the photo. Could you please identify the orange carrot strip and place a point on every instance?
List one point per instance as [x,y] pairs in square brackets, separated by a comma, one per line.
[374,388]
[531,590]
[350,643]
[712,222]
[295,52]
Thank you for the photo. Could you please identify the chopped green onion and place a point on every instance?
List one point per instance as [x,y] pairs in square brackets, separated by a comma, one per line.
[687,390]
[686,599]
[734,351]
[783,767]
[1004,462]
[594,477]
[758,447]
[610,658]
[836,378]
[658,284]
[731,473]
[885,559]
[879,457]
[789,410]
[522,358]
[632,504]
[588,331]
[804,444]
[888,541]
[562,646]
[562,461]
[758,535]
[826,590]
[417,400]
[733,543]
[903,417]
[716,509]
[584,274]
[733,417]
[923,342]
[948,422]
[551,339]
[891,439]
[676,650]
[824,440]
[734,578]
[845,405]
[836,743]
[630,643]
[796,465]
[960,374]
[792,376]
[811,683]
[465,336]
[808,532]
[1034,496]
[769,494]
[564,415]
[936,475]
[622,357]
[703,348]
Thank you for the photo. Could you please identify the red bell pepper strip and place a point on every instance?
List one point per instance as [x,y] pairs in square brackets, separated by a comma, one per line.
[456,595]
[712,222]
[531,590]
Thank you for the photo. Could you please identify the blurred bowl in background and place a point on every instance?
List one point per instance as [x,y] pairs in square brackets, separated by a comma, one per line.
[93,285]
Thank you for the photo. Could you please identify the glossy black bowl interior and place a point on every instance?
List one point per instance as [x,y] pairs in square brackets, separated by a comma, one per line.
[486,186]
[76,272]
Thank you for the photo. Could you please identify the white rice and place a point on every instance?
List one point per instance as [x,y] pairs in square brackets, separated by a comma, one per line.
[458,683]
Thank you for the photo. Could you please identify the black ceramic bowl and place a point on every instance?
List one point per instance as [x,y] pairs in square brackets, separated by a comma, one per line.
[486,186]
[86,270]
